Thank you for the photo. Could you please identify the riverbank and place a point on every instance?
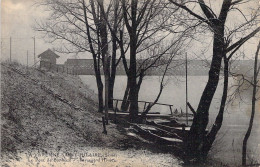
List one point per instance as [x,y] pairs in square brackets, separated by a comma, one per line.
[51,119]
[228,146]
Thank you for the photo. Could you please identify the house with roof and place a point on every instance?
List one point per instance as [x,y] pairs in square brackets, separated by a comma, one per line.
[48,59]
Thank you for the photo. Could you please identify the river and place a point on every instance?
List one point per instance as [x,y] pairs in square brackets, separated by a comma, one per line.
[228,145]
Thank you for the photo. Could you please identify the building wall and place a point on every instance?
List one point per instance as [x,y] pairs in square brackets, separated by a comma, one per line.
[49,58]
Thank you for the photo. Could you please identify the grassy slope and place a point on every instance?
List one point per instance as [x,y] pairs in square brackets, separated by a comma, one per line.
[34,119]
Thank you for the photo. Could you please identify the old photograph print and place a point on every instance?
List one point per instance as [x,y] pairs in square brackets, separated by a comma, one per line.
[130,83]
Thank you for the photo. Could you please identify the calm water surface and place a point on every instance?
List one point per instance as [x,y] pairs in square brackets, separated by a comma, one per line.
[228,144]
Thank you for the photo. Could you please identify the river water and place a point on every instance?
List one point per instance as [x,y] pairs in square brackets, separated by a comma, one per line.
[228,145]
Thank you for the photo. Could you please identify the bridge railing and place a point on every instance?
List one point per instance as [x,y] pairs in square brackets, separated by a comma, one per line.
[145,104]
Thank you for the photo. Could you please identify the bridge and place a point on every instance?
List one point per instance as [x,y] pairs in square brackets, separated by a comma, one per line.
[177,67]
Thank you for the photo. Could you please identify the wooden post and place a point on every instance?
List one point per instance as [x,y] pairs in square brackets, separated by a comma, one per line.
[144,106]
[186,89]
[116,109]
[183,128]
[115,114]
[116,103]
[171,109]
[104,125]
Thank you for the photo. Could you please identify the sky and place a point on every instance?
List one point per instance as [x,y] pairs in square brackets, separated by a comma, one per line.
[18,18]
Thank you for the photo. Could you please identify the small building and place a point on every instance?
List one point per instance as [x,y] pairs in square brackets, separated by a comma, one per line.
[48,59]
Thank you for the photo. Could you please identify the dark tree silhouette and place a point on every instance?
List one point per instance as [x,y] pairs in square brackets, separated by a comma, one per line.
[255,85]
[79,26]
[146,24]
[198,142]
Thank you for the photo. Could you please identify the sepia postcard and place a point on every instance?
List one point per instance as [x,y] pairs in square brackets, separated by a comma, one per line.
[130,83]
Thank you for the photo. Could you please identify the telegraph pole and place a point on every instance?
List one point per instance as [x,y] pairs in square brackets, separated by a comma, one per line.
[27,58]
[1,45]
[34,50]
[10,48]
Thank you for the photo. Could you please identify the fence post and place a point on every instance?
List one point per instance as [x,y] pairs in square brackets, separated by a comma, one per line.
[144,106]
[115,114]
[171,109]
[116,103]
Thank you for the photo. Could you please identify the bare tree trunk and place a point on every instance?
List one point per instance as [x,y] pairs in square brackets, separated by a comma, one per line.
[219,119]
[195,141]
[113,62]
[104,49]
[133,98]
[106,73]
[197,134]
[96,61]
[111,92]
[133,92]
[125,102]
[99,83]
[253,109]
[100,94]
[113,72]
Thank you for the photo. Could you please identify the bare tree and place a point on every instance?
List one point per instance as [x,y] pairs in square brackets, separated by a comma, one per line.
[174,53]
[80,27]
[254,98]
[146,24]
[198,141]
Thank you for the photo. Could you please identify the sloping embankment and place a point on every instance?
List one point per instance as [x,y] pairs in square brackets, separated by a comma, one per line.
[42,110]
[51,119]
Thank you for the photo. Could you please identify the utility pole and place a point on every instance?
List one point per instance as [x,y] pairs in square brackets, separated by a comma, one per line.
[34,50]
[10,48]
[1,44]
[186,90]
[27,58]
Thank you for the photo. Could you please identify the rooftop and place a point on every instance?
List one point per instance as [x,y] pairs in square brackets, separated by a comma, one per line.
[48,52]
